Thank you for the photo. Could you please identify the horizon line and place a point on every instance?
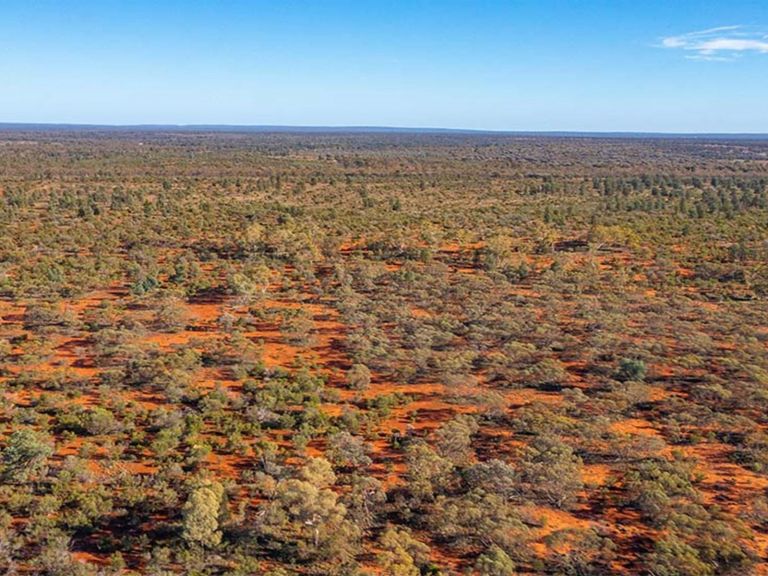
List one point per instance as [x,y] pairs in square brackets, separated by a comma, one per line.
[362,129]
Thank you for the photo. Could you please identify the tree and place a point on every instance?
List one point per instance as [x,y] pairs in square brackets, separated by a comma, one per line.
[426,471]
[401,554]
[653,486]
[10,544]
[454,440]
[310,520]
[494,562]
[40,314]
[297,328]
[549,373]
[581,552]
[362,501]
[673,557]
[631,369]
[6,349]
[493,476]
[549,470]
[171,315]
[100,421]
[251,284]
[359,377]
[348,451]
[202,513]
[319,472]
[480,519]
[55,559]
[24,456]
[268,454]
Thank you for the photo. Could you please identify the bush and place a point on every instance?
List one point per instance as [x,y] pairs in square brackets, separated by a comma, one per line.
[24,456]
[631,369]
[359,377]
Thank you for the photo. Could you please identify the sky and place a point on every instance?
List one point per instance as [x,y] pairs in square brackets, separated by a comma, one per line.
[528,65]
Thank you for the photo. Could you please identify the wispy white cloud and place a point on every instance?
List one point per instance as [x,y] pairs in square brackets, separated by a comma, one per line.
[722,43]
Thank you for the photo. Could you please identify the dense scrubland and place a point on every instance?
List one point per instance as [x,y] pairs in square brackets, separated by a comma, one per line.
[393,354]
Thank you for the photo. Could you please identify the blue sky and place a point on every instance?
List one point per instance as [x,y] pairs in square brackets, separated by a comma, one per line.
[652,65]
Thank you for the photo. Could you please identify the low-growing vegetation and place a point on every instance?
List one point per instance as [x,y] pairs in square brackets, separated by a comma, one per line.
[398,354]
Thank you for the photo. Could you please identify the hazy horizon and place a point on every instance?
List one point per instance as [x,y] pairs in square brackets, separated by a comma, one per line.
[360,129]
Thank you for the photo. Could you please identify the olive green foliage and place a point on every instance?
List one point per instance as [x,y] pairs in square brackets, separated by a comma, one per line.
[202,513]
[226,354]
